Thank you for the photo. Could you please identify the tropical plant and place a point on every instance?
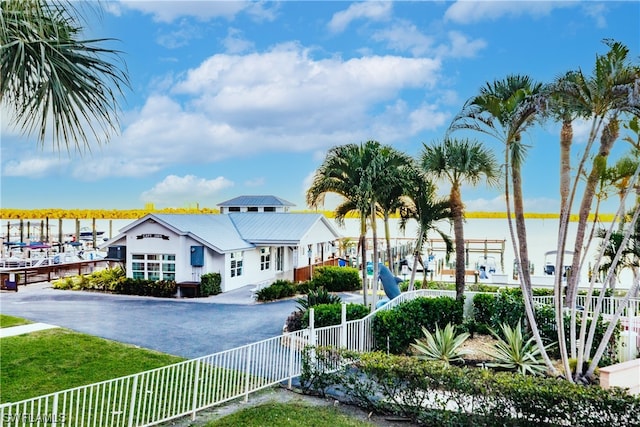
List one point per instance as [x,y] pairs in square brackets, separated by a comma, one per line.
[443,345]
[458,162]
[316,297]
[512,352]
[505,109]
[423,206]
[52,77]
[604,99]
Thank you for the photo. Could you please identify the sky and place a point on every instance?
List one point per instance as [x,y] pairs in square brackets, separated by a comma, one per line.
[245,98]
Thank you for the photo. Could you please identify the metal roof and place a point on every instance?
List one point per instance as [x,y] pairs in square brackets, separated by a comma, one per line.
[238,231]
[216,231]
[277,227]
[246,201]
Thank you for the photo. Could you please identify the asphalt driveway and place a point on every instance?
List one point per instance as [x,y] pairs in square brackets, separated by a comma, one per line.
[187,327]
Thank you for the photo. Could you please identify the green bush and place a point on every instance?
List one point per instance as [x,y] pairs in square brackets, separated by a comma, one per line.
[317,297]
[483,311]
[210,284]
[336,279]
[431,393]
[331,314]
[394,330]
[142,287]
[277,290]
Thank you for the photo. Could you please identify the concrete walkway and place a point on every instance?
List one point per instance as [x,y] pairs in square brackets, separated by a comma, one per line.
[24,329]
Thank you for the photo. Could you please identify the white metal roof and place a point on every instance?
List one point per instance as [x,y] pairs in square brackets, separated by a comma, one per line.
[255,201]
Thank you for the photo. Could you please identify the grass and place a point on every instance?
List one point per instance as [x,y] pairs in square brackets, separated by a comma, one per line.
[276,414]
[8,321]
[57,359]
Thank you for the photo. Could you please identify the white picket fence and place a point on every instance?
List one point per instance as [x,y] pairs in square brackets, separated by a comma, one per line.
[183,389]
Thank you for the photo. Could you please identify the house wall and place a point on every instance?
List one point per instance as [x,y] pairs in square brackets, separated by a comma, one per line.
[320,238]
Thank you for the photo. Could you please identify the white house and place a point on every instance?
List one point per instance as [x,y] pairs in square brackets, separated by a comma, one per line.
[244,247]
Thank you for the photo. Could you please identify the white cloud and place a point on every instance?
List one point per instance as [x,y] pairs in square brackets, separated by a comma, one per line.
[405,37]
[466,12]
[235,43]
[255,182]
[597,12]
[177,191]
[372,10]
[34,167]
[233,106]
[461,47]
[168,11]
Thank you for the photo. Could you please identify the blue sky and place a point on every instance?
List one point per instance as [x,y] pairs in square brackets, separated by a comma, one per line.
[232,98]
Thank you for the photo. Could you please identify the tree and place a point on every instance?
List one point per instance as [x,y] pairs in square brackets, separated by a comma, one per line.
[505,109]
[458,162]
[52,78]
[341,173]
[423,206]
[603,98]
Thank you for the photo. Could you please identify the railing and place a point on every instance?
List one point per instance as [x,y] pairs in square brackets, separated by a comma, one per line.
[36,274]
[182,389]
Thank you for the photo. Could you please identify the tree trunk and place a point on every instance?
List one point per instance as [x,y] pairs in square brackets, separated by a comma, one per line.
[387,237]
[374,258]
[458,229]
[363,255]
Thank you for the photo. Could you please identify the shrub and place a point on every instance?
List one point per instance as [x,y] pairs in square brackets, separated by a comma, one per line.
[394,330]
[483,312]
[430,393]
[210,284]
[277,290]
[336,279]
[294,321]
[444,345]
[514,353]
[317,297]
[331,314]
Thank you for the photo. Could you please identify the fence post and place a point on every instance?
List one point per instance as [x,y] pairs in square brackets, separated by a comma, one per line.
[196,390]
[247,373]
[343,329]
[312,328]
[292,344]
[54,411]
[132,404]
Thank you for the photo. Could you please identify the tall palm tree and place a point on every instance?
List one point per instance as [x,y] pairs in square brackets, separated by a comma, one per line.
[341,173]
[606,96]
[423,206]
[505,109]
[459,162]
[390,187]
[51,77]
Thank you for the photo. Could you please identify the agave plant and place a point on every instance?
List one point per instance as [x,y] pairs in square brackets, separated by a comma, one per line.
[444,345]
[317,297]
[514,353]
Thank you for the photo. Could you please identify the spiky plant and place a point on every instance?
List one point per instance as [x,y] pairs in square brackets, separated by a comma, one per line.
[444,345]
[514,353]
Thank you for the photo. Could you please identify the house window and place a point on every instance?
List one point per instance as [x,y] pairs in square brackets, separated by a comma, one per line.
[234,209]
[154,266]
[236,264]
[252,209]
[265,259]
[280,258]
[269,208]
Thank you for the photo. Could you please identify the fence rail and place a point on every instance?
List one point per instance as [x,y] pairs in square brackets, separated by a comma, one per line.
[182,389]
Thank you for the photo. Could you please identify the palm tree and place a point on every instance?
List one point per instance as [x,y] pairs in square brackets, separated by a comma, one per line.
[603,98]
[459,162]
[341,173]
[390,187]
[423,206]
[356,172]
[505,109]
[51,77]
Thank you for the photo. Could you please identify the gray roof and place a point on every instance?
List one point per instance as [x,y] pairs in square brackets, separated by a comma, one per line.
[277,227]
[238,231]
[246,201]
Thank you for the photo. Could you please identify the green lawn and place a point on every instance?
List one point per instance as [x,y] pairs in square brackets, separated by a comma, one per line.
[8,321]
[288,415]
[57,359]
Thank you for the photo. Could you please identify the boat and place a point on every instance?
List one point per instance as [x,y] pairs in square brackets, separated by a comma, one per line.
[87,234]
[550,257]
[486,267]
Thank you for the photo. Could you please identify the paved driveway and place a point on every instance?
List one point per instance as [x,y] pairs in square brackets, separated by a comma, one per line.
[183,327]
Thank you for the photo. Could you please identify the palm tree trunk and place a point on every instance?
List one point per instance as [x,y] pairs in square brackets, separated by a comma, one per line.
[374,279]
[387,237]
[458,229]
[363,256]
[566,138]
